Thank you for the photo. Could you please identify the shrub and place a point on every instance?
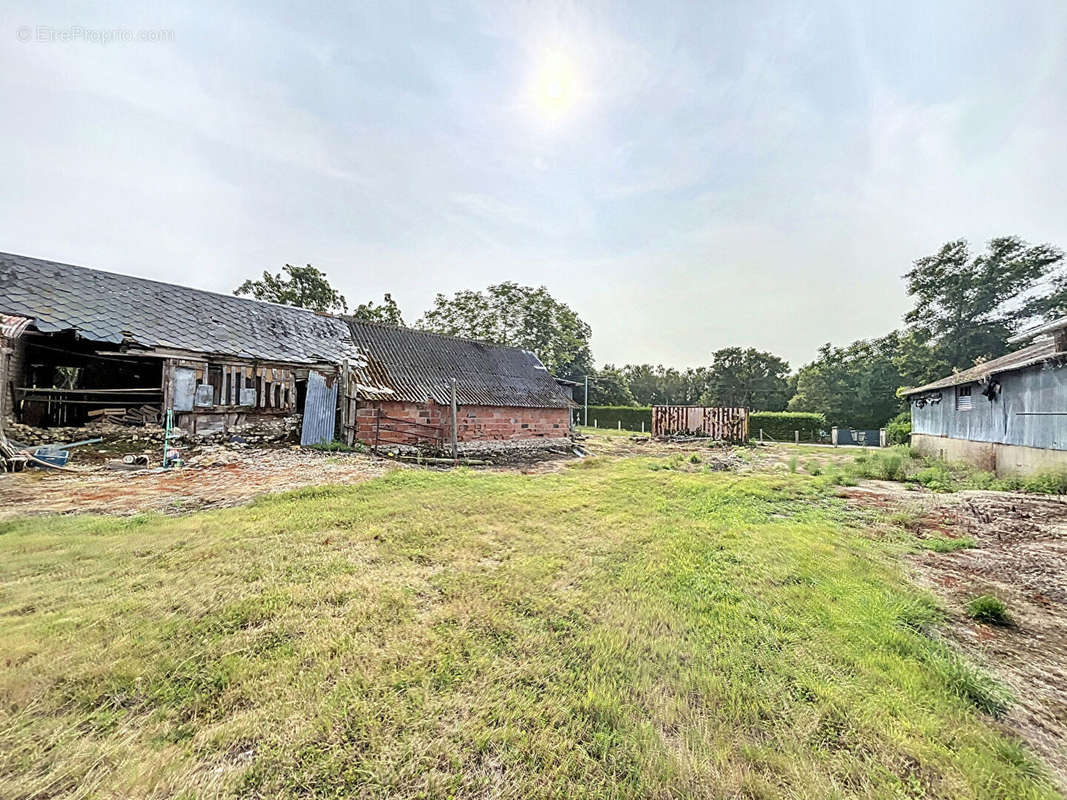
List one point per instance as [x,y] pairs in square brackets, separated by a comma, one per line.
[888,465]
[779,425]
[631,417]
[937,477]
[898,429]
[988,609]
[1045,483]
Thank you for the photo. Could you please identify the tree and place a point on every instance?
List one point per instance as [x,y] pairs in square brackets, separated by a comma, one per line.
[305,287]
[388,312]
[853,386]
[607,387]
[520,316]
[969,306]
[747,379]
[643,382]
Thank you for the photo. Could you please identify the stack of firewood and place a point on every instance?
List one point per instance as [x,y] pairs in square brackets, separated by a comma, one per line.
[135,415]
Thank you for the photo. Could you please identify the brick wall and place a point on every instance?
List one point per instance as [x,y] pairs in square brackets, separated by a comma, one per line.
[475,423]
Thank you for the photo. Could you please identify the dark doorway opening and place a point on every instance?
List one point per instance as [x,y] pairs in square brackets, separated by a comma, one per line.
[69,381]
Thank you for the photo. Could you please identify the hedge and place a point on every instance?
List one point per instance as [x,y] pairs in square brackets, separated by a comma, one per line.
[610,416]
[780,425]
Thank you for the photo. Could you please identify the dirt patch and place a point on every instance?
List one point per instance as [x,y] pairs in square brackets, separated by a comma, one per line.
[220,478]
[1020,556]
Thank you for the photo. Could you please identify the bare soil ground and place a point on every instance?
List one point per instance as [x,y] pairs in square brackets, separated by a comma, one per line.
[1020,557]
[224,480]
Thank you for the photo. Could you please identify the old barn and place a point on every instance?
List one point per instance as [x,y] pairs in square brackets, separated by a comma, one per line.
[78,345]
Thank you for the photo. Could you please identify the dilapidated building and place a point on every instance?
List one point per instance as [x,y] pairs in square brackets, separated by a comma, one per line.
[1007,415]
[79,344]
[401,389]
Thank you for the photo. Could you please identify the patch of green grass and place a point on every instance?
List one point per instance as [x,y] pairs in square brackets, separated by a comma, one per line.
[604,632]
[793,460]
[589,430]
[988,609]
[942,544]
[886,465]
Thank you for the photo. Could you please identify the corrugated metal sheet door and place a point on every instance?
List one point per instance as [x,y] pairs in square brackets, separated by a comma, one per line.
[320,409]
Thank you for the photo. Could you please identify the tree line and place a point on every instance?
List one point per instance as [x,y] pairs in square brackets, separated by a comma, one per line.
[966,306]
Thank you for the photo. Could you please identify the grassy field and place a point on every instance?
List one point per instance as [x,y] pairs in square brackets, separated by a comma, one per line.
[610,631]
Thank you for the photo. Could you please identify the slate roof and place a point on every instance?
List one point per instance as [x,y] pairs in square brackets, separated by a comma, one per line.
[1037,353]
[412,365]
[118,309]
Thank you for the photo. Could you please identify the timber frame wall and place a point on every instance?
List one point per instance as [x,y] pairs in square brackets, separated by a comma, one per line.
[278,387]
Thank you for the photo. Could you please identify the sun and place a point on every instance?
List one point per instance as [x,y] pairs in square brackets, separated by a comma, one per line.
[555,86]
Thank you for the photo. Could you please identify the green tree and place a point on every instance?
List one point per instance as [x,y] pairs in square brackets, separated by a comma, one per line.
[852,386]
[643,382]
[387,312]
[305,287]
[520,316]
[968,305]
[747,378]
[607,387]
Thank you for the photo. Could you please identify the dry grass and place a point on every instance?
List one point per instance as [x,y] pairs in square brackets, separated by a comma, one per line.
[611,631]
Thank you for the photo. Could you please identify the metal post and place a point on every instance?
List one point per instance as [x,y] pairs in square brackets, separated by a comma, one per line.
[585,417]
[796,437]
[166,435]
[455,415]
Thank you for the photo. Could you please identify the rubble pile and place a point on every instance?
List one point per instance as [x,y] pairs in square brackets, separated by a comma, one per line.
[27,434]
[507,450]
[271,431]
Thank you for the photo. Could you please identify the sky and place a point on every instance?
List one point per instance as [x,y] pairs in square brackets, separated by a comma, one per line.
[686,176]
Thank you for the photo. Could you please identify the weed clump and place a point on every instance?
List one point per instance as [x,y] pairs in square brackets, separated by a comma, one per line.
[988,609]
[942,544]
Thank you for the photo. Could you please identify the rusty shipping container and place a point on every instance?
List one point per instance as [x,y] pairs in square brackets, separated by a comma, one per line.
[726,424]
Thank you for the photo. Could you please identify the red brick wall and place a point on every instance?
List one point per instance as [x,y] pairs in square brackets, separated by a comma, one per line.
[475,423]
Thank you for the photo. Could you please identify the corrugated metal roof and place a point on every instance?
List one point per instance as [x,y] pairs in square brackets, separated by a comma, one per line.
[12,326]
[416,366]
[1036,353]
[105,307]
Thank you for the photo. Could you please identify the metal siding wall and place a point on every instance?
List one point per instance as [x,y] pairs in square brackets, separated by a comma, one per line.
[320,410]
[1032,390]
[1000,420]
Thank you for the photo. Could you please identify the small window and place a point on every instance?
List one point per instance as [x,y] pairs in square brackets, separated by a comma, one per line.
[963,398]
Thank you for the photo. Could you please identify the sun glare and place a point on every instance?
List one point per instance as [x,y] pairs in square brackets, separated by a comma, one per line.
[555,85]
